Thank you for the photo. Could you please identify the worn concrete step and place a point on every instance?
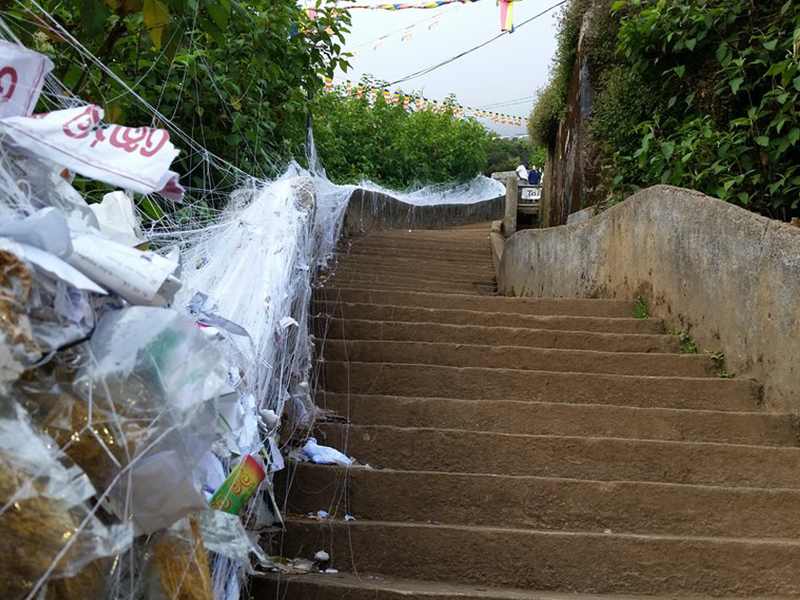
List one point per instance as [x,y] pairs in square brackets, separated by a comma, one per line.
[356,329]
[423,251]
[516,357]
[478,288]
[540,502]
[369,278]
[544,418]
[471,233]
[470,383]
[544,560]
[366,586]
[467,240]
[425,269]
[390,280]
[601,459]
[402,264]
[386,312]
[472,244]
[576,307]
[400,261]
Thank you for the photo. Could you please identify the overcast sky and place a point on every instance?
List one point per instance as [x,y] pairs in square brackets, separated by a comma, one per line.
[511,68]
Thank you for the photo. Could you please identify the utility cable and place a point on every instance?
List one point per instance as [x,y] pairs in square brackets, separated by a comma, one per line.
[432,68]
[502,103]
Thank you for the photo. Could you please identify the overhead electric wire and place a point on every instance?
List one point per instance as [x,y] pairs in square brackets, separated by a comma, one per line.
[502,103]
[432,68]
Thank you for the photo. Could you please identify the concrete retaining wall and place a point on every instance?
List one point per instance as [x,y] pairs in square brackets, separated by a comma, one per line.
[374,211]
[730,277]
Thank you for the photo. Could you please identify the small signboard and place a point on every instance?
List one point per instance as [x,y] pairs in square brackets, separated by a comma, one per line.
[530,194]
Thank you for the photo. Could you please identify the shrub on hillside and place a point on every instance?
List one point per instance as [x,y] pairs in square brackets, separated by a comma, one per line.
[389,145]
[506,154]
[725,120]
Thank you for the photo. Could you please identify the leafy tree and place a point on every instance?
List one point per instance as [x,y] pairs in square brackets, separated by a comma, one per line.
[700,94]
[236,76]
[392,146]
[506,154]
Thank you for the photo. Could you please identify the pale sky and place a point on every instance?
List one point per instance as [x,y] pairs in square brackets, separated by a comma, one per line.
[509,69]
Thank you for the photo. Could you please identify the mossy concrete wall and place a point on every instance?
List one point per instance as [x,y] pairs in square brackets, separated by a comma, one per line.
[728,276]
[374,211]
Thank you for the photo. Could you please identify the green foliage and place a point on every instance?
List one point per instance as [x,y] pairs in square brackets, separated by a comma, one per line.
[552,101]
[623,103]
[546,115]
[723,115]
[640,310]
[236,76]
[389,145]
[688,345]
[507,154]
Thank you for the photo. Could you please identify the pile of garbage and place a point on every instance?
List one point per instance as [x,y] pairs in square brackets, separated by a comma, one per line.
[147,378]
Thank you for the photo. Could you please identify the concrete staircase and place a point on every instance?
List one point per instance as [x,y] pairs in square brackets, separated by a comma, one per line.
[527,448]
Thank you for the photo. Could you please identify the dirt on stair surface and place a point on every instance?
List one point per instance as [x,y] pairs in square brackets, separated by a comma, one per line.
[525,449]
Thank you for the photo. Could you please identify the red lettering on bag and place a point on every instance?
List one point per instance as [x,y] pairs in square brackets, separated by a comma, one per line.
[8,76]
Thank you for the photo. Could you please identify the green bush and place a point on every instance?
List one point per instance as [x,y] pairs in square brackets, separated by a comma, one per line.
[394,147]
[725,119]
[546,116]
[505,154]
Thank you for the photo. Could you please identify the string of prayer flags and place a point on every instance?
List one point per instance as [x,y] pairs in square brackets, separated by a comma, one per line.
[406,6]
[420,103]
[506,11]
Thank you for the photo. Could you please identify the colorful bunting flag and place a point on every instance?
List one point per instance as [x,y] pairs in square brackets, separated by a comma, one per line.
[507,15]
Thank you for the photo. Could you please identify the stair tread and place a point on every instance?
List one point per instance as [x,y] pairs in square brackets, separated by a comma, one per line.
[567,456]
[484,529]
[517,357]
[606,420]
[464,316]
[542,503]
[563,561]
[365,329]
[377,586]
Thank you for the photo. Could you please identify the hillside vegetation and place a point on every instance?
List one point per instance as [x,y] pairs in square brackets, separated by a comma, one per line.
[702,94]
